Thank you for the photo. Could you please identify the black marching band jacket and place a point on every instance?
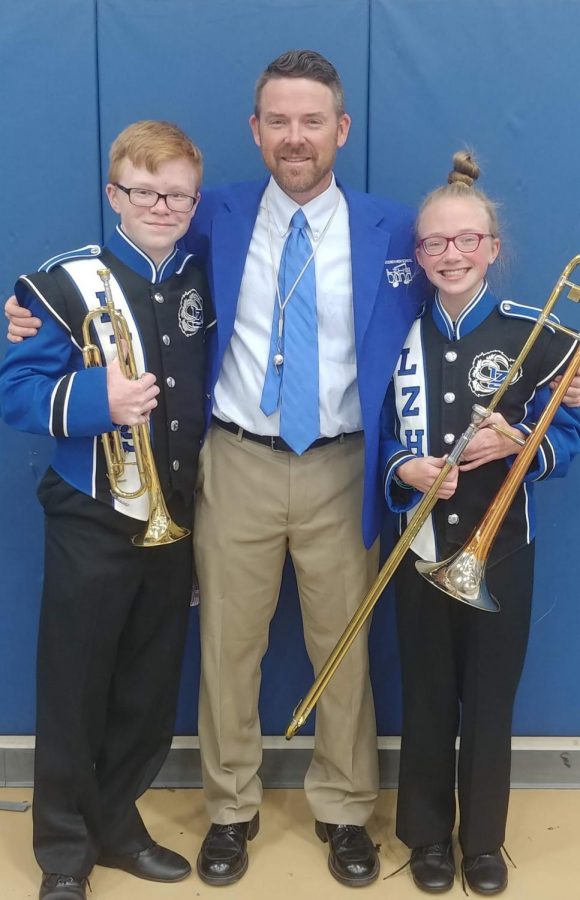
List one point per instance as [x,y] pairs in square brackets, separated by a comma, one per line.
[445,367]
[46,389]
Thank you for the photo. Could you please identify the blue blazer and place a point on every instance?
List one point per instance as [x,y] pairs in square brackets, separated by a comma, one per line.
[387,291]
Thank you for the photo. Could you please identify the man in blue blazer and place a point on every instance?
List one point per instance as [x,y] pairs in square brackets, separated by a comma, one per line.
[263,491]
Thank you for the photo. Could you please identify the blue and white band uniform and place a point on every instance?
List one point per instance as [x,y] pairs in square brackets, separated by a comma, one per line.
[444,368]
[168,312]
[84,274]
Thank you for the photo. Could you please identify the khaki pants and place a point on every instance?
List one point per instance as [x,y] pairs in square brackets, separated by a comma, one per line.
[253,505]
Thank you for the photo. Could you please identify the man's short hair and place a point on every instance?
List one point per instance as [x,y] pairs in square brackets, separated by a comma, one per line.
[302,64]
[150,143]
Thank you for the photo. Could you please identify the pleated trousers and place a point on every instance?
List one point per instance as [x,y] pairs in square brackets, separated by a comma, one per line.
[253,506]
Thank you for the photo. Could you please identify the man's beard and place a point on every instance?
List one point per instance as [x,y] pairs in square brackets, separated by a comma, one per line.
[301,179]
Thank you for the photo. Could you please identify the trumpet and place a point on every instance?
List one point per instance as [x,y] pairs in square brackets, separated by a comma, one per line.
[160,529]
[462,575]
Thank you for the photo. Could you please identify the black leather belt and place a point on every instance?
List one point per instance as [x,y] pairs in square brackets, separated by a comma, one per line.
[273,441]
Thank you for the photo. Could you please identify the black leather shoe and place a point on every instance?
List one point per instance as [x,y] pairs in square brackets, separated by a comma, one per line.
[223,857]
[433,867]
[62,887]
[353,858]
[154,864]
[486,873]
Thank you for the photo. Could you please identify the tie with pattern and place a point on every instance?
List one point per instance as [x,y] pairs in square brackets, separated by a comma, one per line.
[295,388]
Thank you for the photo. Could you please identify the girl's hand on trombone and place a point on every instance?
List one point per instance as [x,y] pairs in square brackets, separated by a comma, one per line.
[489,444]
[572,395]
[422,471]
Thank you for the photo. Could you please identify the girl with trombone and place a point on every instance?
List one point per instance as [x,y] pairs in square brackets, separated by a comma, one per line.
[461,666]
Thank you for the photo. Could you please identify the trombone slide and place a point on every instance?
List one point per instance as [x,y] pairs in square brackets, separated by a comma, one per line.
[429,500]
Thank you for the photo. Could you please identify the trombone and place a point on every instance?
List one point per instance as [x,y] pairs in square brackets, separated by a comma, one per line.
[160,529]
[461,575]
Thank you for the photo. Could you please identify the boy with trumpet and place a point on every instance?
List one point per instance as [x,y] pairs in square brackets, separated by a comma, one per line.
[114,615]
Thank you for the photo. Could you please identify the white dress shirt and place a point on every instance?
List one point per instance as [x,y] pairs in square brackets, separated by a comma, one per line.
[238,391]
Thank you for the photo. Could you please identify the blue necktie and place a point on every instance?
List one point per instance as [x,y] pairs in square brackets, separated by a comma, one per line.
[294,385]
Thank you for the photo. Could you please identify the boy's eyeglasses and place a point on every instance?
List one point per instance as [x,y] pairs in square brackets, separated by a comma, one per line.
[467,242]
[143,197]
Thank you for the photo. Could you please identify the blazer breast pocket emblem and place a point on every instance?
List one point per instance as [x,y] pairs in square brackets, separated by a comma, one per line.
[398,271]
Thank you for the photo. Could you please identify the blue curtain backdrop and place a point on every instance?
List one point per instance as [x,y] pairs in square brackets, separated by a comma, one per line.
[421,79]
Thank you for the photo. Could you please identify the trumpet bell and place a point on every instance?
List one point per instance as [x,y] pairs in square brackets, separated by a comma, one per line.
[461,577]
[161,529]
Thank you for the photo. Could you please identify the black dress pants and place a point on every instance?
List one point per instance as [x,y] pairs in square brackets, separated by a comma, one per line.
[460,671]
[111,637]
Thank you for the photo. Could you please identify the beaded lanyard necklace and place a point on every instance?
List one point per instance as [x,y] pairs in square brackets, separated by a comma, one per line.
[278,358]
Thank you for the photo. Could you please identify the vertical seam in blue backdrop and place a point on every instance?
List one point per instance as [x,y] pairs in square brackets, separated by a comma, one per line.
[100,122]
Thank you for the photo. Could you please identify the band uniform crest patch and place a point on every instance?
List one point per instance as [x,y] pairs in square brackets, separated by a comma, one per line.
[400,271]
[488,372]
[190,313]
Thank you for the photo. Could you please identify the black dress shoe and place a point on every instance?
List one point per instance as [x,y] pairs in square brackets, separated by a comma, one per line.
[154,864]
[62,887]
[433,867]
[353,858]
[223,857]
[486,873]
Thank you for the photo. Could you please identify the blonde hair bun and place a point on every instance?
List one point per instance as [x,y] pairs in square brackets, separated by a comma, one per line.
[465,169]
[461,183]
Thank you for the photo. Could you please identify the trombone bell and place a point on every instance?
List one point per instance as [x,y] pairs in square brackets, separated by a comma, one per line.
[462,577]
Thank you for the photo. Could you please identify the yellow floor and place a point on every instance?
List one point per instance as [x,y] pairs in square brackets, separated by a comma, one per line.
[287,860]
